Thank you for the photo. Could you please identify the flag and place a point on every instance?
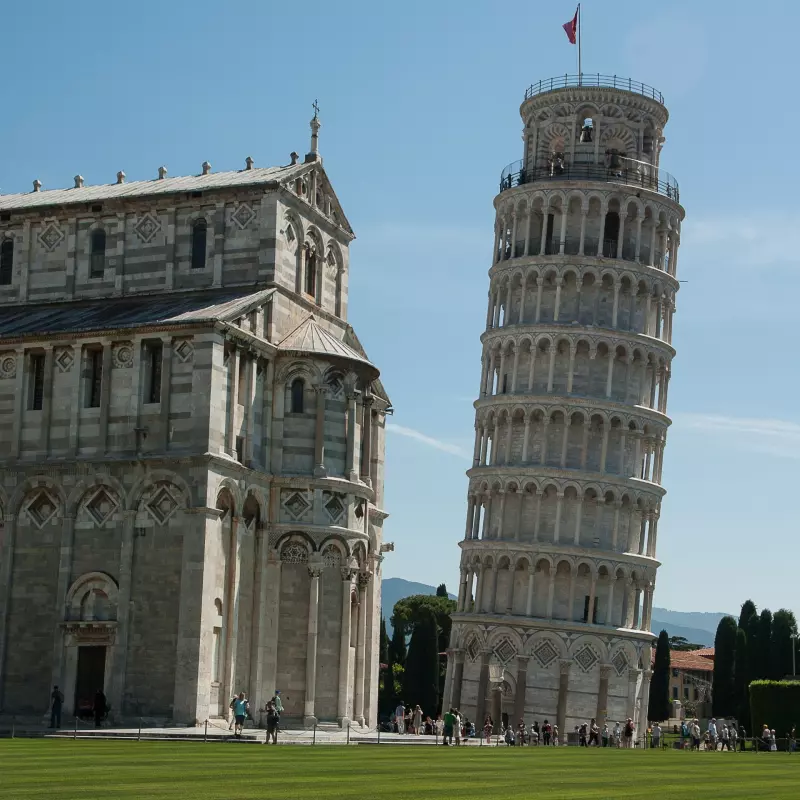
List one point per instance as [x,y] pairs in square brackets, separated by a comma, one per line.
[571,29]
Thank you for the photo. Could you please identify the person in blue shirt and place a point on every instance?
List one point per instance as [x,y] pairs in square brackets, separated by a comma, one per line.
[239,714]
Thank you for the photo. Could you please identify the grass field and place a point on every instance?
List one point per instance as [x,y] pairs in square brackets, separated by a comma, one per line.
[174,771]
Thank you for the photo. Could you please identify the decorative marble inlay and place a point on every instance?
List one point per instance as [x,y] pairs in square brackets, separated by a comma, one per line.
[294,553]
[122,355]
[620,662]
[184,350]
[332,557]
[296,505]
[101,506]
[243,216]
[147,227]
[505,651]
[473,649]
[335,507]
[545,653]
[51,235]
[41,508]
[8,365]
[586,658]
[162,506]
[64,358]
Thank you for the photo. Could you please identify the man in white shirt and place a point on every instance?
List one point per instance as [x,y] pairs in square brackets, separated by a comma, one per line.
[400,717]
[656,736]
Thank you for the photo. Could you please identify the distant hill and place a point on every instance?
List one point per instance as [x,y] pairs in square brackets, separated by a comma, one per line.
[695,626]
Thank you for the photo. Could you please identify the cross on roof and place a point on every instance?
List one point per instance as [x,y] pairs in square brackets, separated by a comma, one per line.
[315,106]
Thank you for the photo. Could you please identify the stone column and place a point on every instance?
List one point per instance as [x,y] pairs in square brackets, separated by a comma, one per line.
[551,368]
[602,695]
[557,305]
[497,707]
[633,679]
[309,719]
[319,434]
[350,465]
[502,514]
[448,682]
[559,503]
[551,588]
[645,701]
[458,673]
[483,681]
[571,597]
[119,667]
[636,607]
[358,706]
[268,645]
[529,599]
[563,691]
[462,590]
[233,382]
[487,518]
[470,515]
[522,682]
[578,520]
[592,596]
[612,581]
[344,646]
[64,574]
[231,607]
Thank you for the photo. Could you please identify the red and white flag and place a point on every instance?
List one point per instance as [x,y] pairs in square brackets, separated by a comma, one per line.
[571,29]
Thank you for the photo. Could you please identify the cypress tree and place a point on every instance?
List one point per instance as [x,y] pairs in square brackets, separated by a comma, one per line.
[659,707]
[725,701]
[748,612]
[441,590]
[386,699]
[397,646]
[741,679]
[780,645]
[753,643]
[384,647]
[421,677]
[763,657]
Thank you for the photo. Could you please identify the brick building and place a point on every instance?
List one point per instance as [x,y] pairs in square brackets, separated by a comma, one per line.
[191,448]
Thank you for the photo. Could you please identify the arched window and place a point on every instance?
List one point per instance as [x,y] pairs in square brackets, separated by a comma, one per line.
[311,271]
[298,388]
[199,235]
[98,260]
[6,261]
[611,235]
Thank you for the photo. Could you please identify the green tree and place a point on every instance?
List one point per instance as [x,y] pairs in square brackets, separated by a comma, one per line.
[753,661]
[681,643]
[725,701]
[384,647]
[780,644]
[386,689]
[659,707]
[409,611]
[397,645]
[441,590]
[748,612]
[421,676]
[763,656]
[741,679]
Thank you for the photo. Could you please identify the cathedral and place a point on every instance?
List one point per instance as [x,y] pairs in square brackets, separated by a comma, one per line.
[191,449]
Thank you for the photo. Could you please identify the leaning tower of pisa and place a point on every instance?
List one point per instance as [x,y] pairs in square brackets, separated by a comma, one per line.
[558,561]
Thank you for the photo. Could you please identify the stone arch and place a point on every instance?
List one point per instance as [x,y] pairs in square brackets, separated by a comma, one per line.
[78,493]
[100,500]
[596,644]
[94,596]
[146,482]
[27,489]
[294,548]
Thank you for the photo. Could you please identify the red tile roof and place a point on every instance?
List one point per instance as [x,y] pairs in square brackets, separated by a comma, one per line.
[689,660]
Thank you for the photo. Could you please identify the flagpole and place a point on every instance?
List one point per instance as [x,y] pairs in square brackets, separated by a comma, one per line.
[580,74]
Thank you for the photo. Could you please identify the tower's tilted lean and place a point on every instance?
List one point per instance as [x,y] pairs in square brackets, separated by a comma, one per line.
[558,560]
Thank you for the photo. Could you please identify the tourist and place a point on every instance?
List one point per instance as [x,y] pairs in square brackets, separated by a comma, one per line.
[56,701]
[555,735]
[409,720]
[488,727]
[534,736]
[521,731]
[793,739]
[743,736]
[773,741]
[277,702]
[605,734]
[734,734]
[694,729]
[655,736]
[417,720]
[449,722]
[457,727]
[100,708]
[580,730]
[508,737]
[240,706]
[594,733]
[712,733]
[724,738]
[618,735]
[546,732]
[400,717]
[628,733]
[273,720]
[684,734]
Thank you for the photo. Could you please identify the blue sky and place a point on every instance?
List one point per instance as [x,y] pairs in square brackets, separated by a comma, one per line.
[420,111]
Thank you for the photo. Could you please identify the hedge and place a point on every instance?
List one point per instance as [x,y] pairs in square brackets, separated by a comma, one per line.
[776,704]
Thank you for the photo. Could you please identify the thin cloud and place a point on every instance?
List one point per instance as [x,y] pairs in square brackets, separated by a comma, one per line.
[430,441]
[774,437]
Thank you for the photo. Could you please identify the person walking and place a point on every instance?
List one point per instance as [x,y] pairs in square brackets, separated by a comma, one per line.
[277,702]
[400,717]
[488,727]
[458,724]
[594,733]
[239,714]
[100,708]
[273,723]
[655,736]
[555,736]
[546,732]
[417,720]
[694,730]
[725,738]
[56,702]
[628,733]
[449,724]
[618,735]
[712,733]
[605,735]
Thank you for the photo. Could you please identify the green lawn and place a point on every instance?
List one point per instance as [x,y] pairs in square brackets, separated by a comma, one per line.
[219,771]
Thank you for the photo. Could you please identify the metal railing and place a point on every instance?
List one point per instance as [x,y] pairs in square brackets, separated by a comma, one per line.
[626,171]
[593,79]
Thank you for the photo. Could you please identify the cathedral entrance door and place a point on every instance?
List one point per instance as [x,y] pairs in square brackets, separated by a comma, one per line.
[90,677]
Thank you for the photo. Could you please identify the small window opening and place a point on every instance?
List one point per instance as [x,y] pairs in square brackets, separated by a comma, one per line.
[240,449]
[36,382]
[504,390]
[155,353]
[98,257]
[587,131]
[297,390]
[199,236]
[586,610]
[94,378]
[241,389]
[6,261]
[311,271]
[611,235]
